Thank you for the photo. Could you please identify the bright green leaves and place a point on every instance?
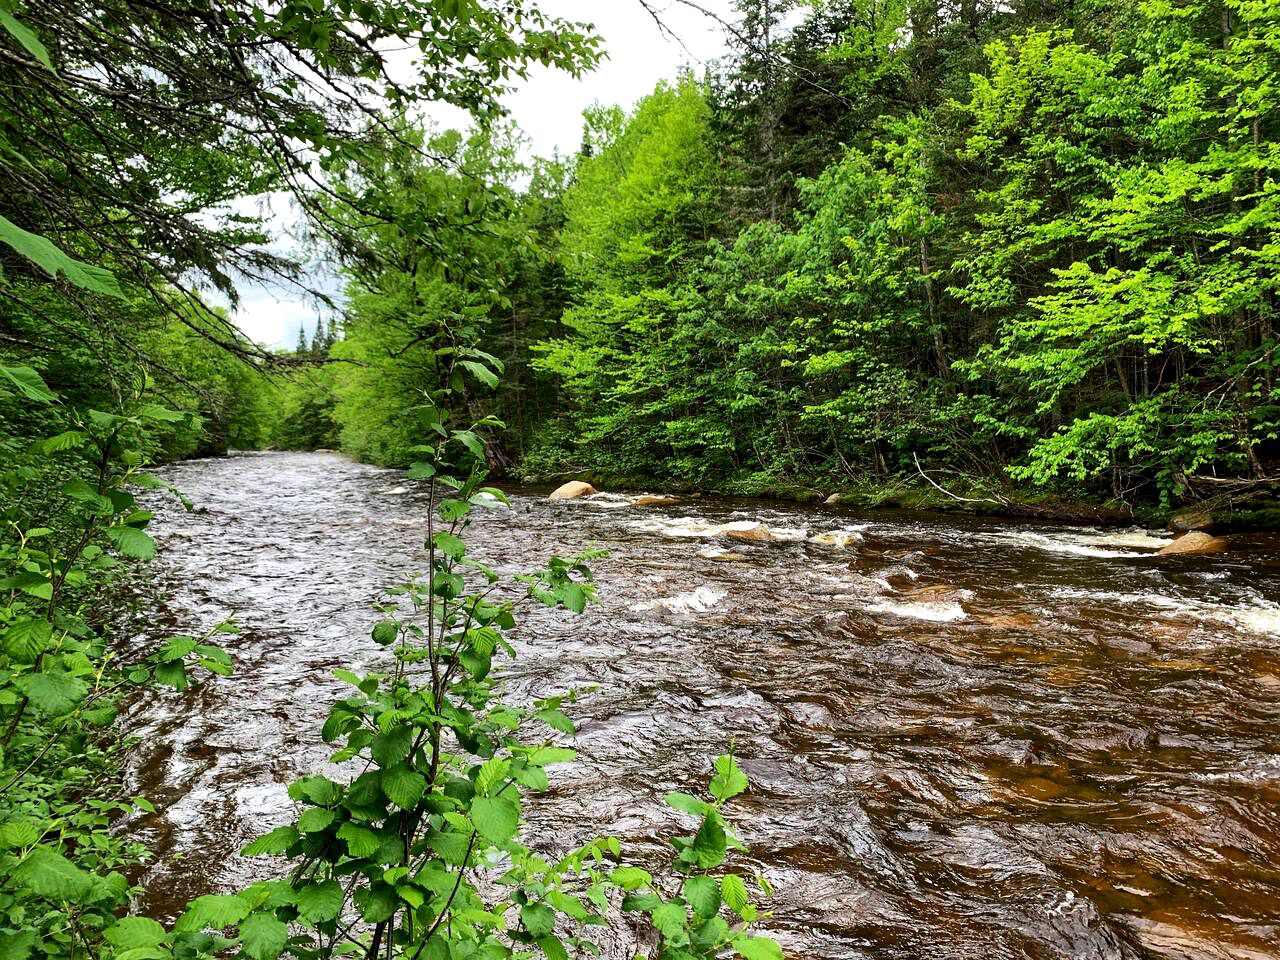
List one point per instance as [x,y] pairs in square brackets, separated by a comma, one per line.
[132,542]
[135,933]
[47,873]
[55,262]
[262,936]
[386,632]
[361,841]
[26,639]
[450,545]
[318,902]
[403,787]
[495,818]
[729,781]
[315,820]
[213,912]
[276,842]
[52,693]
[318,790]
[703,895]
[26,382]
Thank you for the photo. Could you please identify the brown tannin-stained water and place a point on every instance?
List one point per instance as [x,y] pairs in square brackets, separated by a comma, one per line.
[966,738]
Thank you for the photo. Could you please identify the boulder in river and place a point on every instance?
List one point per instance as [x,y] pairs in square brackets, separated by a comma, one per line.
[1191,520]
[836,538]
[832,500]
[1194,542]
[748,531]
[655,500]
[573,490]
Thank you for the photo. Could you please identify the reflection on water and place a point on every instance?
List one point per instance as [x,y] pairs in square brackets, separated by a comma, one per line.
[966,739]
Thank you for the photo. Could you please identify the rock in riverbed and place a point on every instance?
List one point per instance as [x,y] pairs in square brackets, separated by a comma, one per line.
[1194,542]
[747,531]
[573,490]
[654,500]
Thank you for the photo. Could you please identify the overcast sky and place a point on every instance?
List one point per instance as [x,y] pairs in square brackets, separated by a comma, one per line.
[548,107]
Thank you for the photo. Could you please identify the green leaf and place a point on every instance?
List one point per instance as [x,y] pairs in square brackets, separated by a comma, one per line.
[546,756]
[17,946]
[734,891]
[277,841]
[729,781]
[159,414]
[132,932]
[25,36]
[263,937]
[538,919]
[53,261]
[686,804]
[18,833]
[27,639]
[450,545]
[361,841]
[48,873]
[315,819]
[556,720]
[376,903]
[29,383]
[214,911]
[386,632]
[756,948]
[403,787]
[703,895]
[709,845]
[631,878]
[552,948]
[318,902]
[495,818]
[669,919]
[481,373]
[53,693]
[132,542]
[420,471]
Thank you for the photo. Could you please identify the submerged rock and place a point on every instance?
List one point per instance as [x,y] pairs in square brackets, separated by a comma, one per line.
[1194,542]
[654,500]
[573,490]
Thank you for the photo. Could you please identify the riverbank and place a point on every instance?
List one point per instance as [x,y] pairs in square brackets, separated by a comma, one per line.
[1255,511]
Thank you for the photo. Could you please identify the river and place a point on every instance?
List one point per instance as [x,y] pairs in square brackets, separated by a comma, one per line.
[966,738]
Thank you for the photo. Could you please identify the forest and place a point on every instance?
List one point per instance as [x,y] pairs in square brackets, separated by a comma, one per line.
[1012,255]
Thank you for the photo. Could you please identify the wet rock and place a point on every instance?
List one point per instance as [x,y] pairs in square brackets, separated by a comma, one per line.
[832,500]
[1007,621]
[1194,542]
[655,500]
[836,538]
[572,491]
[1191,520]
[747,531]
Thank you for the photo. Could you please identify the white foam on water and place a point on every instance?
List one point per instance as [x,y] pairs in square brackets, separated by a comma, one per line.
[1086,541]
[697,528]
[396,491]
[1259,616]
[607,501]
[841,539]
[935,612]
[699,600]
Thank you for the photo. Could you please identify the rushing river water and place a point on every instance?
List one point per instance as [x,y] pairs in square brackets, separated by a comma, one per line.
[966,738]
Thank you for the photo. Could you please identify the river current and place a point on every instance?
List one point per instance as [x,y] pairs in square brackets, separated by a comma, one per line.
[966,738]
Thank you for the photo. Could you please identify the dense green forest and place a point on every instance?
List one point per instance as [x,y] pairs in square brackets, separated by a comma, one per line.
[1026,248]
[1016,250]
